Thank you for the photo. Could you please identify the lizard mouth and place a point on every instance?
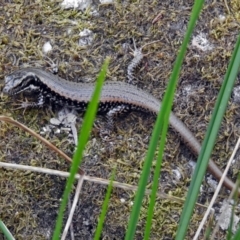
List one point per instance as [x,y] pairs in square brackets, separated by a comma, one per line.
[15,85]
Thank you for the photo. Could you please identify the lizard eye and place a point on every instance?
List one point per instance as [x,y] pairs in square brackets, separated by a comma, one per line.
[9,83]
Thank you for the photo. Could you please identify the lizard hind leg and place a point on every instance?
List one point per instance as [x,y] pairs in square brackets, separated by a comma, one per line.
[110,119]
[116,111]
[136,61]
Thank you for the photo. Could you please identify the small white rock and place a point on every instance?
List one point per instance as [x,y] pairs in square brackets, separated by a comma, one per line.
[192,164]
[55,121]
[57,131]
[86,37]
[225,217]
[200,41]
[212,183]
[106,1]
[76,4]
[221,18]
[177,174]
[236,94]
[47,47]
[71,118]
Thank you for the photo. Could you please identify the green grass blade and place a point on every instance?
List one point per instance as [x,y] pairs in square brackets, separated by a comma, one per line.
[155,183]
[166,109]
[237,235]
[162,120]
[5,231]
[104,207]
[209,140]
[235,197]
[83,138]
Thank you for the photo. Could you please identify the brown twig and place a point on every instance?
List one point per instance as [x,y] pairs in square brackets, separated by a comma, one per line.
[33,133]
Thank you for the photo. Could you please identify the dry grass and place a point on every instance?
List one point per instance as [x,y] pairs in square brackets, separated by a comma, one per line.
[31,200]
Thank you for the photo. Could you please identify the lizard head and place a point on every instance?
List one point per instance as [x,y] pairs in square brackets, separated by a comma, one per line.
[19,81]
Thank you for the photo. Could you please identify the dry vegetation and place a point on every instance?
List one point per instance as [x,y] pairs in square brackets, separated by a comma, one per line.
[29,201]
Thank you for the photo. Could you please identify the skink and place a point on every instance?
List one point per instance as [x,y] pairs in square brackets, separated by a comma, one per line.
[115,97]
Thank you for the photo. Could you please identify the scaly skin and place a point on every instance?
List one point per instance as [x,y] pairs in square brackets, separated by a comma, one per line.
[115,97]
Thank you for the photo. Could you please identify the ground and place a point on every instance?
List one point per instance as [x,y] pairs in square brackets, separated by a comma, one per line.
[30,201]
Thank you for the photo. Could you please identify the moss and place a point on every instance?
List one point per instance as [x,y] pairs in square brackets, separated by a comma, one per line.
[31,200]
